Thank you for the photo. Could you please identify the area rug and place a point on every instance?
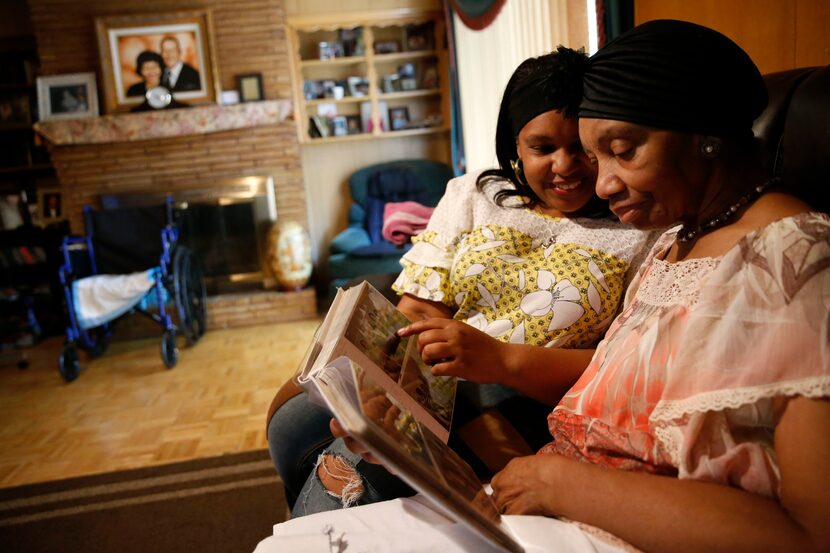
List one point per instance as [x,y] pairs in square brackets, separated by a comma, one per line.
[216,505]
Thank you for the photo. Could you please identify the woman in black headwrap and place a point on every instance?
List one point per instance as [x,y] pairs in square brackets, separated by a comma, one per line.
[517,275]
[703,420]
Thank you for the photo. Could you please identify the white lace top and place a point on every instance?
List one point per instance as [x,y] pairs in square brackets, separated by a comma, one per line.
[518,275]
[685,380]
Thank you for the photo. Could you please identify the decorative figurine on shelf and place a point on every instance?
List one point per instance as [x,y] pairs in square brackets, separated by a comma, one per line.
[289,254]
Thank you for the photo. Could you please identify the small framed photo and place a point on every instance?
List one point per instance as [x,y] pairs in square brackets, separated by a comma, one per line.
[430,77]
[409,83]
[353,124]
[70,96]
[329,50]
[142,51]
[50,205]
[250,87]
[391,83]
[387,47]
[358,86]
[399,118]
[419,37]
[339,126]
[15,110]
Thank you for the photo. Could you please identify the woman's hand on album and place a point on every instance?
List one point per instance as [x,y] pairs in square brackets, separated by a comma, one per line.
[353,445]
[528,485]
[454,348]
[381,411]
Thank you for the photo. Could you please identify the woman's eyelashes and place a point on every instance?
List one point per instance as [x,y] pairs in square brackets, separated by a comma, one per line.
[622,150]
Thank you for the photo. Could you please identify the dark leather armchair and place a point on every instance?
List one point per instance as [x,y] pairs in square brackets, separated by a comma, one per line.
[360,250]
[795,129]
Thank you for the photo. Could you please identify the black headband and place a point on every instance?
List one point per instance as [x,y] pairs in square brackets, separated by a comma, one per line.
[550,82]
[675,75]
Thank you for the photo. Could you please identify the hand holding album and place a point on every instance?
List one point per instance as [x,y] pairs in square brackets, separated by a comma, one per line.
[454,348]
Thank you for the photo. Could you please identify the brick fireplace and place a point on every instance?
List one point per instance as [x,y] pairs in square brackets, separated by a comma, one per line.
[180,151]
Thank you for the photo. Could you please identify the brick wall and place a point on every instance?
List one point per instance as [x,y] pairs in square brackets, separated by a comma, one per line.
[189,161]
[249,36]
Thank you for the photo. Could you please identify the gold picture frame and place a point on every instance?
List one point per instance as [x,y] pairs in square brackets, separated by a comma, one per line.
[184,37]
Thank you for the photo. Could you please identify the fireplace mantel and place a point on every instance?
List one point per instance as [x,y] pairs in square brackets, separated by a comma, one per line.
[150,125]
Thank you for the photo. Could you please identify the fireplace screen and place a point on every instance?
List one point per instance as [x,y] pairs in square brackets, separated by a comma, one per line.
[225,225]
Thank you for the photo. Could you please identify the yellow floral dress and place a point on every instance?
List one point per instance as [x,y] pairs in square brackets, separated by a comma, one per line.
[520,276]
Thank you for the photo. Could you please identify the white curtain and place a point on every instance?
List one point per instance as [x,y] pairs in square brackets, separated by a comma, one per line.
[487,58]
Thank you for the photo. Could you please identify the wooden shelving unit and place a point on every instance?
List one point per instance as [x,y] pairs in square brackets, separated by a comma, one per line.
[419,40]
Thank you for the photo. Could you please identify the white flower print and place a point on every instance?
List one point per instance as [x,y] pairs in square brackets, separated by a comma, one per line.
[562,299]
[429,291]
[496,328]
[594,269]
[518,334]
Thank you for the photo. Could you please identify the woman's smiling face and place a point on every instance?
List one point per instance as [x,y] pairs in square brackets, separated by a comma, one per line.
[652,178]
[555,167]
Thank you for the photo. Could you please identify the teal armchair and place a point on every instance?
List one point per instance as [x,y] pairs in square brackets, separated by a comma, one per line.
[360,250]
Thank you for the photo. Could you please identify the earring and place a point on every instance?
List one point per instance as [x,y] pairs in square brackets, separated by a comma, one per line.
[710,148]
[518,170]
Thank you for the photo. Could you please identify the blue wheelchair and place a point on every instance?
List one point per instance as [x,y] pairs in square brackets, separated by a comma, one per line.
[120,267]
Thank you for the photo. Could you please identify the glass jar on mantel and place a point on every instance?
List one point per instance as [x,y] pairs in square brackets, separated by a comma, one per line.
[289,254]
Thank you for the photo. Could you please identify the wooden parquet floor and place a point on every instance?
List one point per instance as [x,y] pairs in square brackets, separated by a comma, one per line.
[126,410]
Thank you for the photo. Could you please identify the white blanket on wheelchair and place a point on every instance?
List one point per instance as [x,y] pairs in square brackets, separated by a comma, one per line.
[101,298]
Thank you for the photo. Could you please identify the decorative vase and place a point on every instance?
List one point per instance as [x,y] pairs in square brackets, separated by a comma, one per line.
[289,254]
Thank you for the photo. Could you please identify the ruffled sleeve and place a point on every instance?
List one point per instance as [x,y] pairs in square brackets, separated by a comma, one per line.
[427,266]
[760,331]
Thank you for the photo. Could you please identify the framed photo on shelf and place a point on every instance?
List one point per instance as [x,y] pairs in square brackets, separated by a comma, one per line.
[353,124]
[50,208]
[15,110]
[430,77]
[358,86]
[387,47]
[136,50]
[72,96]
[399,118]
[250,87]
[419,37]
[339,126]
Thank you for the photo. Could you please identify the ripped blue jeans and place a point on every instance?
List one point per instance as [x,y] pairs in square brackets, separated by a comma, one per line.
[367,483]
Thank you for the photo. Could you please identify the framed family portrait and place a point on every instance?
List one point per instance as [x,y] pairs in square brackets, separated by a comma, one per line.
[173,50]
[70,96]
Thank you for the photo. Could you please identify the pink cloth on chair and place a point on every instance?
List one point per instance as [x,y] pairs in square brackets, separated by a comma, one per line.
[402,220]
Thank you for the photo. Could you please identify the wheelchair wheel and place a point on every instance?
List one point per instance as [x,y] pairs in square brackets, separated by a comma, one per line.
[68,363]
[169,350]
[190,294]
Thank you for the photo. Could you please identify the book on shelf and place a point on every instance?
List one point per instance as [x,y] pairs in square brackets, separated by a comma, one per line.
[380,391]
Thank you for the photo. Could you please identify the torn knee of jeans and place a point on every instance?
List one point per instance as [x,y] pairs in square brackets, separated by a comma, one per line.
[339,478]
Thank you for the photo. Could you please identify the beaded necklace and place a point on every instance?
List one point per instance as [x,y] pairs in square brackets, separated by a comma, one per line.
[686,234]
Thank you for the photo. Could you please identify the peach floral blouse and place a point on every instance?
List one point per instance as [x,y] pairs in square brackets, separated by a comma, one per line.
[687,377]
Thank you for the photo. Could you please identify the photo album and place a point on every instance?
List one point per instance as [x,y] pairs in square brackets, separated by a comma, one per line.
[381,392]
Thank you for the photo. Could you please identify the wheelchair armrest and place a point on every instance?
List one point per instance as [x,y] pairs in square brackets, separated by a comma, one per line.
[349,239]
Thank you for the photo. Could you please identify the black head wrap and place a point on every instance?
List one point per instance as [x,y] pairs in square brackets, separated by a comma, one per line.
[547,83]
[675,75]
